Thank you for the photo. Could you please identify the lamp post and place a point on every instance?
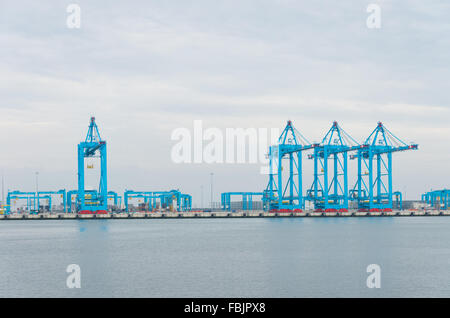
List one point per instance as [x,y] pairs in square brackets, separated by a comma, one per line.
[201,195]
[212,174]
[3,189]
[37,192]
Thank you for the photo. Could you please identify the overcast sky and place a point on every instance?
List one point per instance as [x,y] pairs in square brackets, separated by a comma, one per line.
[145,68]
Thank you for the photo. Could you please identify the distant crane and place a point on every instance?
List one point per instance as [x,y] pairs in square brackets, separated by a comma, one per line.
[286,194]
[48,196]
[373,189]
[329,190]
[166,199]
[93,146]
[438,199]
[247,199]
[20,195]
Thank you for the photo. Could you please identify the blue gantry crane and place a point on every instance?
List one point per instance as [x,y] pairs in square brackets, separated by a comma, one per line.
[48,195]
[117,200]
[20,195]
[70,201]
[373,189]
[92,147]
[166,199]
[329,190]
[246,199]
[438,199]
[286,193]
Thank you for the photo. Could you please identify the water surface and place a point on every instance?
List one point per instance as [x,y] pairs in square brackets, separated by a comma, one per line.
[285,257]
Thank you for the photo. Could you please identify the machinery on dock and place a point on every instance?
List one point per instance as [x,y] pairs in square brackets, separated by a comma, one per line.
[285,192]
[158,200]
[329,190]
[246,203]
[92,201]
[48,196]
[30,197]
[437,199]
[373,188]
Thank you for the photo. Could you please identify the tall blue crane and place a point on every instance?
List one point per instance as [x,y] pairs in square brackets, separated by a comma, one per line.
[286,194]
[373,189]
[329,190]
[92,147]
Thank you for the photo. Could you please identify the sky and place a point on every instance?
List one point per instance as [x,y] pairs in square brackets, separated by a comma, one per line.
[146,68]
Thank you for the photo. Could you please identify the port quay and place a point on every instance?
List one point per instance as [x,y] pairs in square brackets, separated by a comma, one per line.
[220,214]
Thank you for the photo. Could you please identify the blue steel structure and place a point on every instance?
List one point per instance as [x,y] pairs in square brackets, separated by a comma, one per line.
[185,202]
[117,199]
[287,194]
[246,198]
[373,189]
[69,199]
[329,190]
[48,196]
[19,195]
[49,203]
[93,146]
[398,199]
[438,199]
[166,199]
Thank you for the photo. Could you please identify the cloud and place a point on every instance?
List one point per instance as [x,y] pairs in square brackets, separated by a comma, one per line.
[146,68]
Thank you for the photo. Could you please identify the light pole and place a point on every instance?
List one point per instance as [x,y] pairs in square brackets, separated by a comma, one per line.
[212,174]
[37,192]
[3,189]
[201,195]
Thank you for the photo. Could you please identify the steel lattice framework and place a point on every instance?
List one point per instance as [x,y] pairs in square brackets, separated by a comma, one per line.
[247,199]
[373,189]
[280,193]
[329,190]
[93,146]
[438,199]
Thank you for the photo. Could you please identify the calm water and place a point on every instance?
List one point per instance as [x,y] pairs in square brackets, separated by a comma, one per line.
[306,257]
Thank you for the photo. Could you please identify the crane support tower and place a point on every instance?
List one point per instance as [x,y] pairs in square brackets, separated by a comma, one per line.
[92,147]
[373,188]
[329,190]
[286,193]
